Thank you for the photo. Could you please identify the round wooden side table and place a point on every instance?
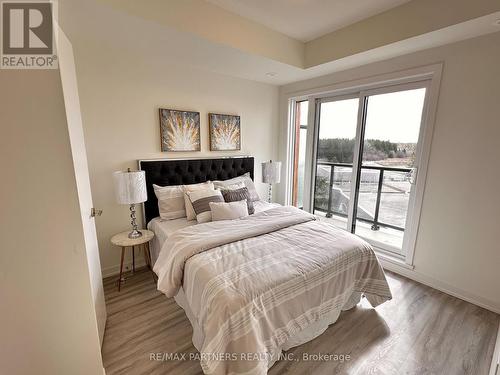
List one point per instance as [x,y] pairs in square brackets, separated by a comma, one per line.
[121,239]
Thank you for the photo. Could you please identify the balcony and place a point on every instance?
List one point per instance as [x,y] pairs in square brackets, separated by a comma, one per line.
[382,200]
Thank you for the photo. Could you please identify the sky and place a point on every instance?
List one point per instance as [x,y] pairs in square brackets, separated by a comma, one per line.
[391,117]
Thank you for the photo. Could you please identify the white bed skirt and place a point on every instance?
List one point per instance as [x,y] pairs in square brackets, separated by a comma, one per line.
[308,334]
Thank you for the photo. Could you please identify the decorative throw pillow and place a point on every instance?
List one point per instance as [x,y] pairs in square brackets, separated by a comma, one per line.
[191,215]
[200,200]
[254,196]
[239,195]
[228,211]
[171,203]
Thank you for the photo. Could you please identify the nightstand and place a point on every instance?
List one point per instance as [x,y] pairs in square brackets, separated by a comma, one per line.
[122,240]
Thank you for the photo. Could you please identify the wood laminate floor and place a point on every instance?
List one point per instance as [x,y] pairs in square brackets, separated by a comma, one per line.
[420,331]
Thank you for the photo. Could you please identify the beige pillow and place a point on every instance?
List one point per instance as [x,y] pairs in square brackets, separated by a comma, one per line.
[245,179]
[200,200]
[191,215]
[235,186]
[171,203]
[229,210]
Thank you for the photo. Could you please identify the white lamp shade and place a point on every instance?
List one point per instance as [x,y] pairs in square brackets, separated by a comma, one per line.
[271,172]
[130,187]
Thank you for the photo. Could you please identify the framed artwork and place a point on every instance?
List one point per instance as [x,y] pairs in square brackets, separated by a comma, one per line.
[225,132]
[179,130]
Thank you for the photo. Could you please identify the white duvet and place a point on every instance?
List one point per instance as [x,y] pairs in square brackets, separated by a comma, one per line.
[254,283]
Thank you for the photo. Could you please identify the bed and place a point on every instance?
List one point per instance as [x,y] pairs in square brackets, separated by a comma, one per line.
[256,286]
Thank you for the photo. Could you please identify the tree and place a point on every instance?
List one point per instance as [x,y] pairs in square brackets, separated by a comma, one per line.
[341,150]
[336,150]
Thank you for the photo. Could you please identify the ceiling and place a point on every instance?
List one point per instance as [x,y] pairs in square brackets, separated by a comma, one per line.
[306,20]
[129,36]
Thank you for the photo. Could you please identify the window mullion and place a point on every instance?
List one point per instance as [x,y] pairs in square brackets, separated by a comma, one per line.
[356,162]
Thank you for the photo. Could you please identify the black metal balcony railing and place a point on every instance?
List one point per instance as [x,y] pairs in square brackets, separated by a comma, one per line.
[376,224]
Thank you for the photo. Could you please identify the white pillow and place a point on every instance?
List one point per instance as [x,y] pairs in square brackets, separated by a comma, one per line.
[200,201]
[235,186]
[193,187]
[254,196]
[228,211]
[171,203]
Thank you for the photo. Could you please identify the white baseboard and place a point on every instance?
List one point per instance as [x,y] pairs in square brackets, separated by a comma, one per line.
[127,266]
[440,285]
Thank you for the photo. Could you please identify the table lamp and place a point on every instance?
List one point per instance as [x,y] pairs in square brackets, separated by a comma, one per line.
[130,188]
[271,174]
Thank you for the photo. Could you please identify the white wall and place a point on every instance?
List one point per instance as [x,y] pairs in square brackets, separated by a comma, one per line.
[120,94]
[47,319]
[457,245]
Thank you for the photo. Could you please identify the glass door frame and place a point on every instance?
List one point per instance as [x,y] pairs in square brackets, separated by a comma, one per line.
[423,146]
[317,111]
[364,95]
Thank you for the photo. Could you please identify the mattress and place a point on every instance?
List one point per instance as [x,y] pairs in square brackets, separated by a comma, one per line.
[162,230]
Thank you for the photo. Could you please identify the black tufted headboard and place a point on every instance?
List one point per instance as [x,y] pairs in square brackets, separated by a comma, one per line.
[169,172]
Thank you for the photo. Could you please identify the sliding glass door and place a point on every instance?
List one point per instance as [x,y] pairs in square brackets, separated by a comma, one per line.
[338,118]
[366,161]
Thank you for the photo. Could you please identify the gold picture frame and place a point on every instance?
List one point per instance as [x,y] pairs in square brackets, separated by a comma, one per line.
[224,132]
[179,130]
